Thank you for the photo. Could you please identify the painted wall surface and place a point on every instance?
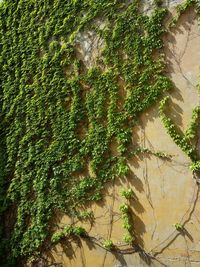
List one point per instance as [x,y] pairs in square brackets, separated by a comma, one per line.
[166,191]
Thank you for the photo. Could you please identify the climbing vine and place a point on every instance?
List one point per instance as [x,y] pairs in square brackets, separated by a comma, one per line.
[59,118]
[184,140]
[179,139]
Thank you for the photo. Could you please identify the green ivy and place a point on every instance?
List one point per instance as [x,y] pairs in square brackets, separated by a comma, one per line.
[184,141]
[59,118]
[68,230]
[177,137]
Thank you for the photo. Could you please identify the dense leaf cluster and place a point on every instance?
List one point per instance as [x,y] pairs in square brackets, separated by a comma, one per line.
[59,119]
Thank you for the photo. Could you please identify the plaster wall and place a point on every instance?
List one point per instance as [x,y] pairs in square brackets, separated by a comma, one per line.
[166,191]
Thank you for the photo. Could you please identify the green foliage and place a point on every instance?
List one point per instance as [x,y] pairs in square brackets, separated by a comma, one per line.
[79,231]
[178,226]
[85,215]
[59,118]
[126,222]
[195,166]
[183,140]
[67,231]
[108,244]
[191,132]
[127,238]
[121,167]
[57,236]
[181,8]
[178,138]
[124,208]
[127,193]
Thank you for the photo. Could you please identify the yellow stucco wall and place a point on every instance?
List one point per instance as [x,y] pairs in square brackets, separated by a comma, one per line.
[166,192]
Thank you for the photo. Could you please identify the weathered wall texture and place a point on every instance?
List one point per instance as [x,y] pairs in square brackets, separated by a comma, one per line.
[166,190]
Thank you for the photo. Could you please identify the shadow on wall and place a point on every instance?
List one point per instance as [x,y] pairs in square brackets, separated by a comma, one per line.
[175,112]
[178,52]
